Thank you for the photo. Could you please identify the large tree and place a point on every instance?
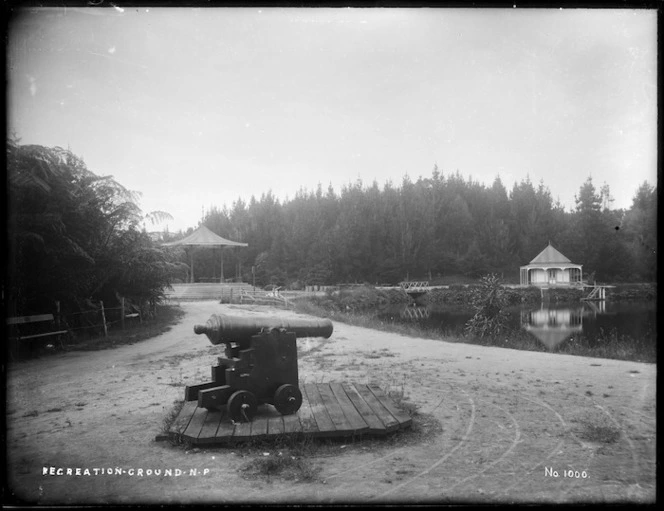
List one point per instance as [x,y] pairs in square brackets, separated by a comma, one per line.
[75,236]
[639,227]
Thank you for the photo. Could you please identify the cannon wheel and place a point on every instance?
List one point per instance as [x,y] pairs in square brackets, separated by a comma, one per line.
[242,406]
[287,399]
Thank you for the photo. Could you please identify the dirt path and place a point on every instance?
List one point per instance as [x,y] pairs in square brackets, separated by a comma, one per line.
[511,421]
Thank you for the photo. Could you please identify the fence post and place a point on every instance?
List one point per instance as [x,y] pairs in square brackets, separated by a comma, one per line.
[122,312]
[103,318]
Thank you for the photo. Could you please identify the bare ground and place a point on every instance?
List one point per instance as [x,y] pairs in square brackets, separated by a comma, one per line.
[516,426]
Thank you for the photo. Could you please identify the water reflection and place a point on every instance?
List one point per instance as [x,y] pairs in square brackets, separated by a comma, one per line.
[415,312]
[552,325]
[593,324]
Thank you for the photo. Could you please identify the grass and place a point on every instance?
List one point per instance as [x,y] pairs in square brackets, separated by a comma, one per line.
[398,395]
[383,353]
[611,345]
[593,426]
[170,418]
[286,458]
[289,468]
[599,434]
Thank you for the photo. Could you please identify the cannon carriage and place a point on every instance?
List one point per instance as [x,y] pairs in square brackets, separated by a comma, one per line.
[259,367]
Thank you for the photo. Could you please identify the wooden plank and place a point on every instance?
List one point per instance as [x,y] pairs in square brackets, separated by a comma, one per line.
[306,415]
[34,336]
[195,424]
[292,423]
[318,410]
[275,425]
[381,412]
[259,426]
[397,412]
[242,431]
[209,429]
[29,319]
[182,420]
[333,408]
[226,429]
[357,423]
[218,374]
[214,397]
[374,423]
[191,391]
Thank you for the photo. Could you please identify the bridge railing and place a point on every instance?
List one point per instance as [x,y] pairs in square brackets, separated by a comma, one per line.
[414,285]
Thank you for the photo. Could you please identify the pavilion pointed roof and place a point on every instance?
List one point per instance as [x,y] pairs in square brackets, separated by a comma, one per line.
[550,255]
[550,338]
[205,237]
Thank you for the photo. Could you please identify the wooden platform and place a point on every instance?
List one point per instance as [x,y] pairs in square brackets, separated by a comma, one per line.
[328,410]
[204,291]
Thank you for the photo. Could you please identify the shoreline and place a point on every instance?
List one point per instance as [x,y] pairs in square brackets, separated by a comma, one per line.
[612,347]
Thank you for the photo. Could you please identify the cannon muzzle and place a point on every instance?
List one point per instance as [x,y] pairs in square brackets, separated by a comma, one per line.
[221,328]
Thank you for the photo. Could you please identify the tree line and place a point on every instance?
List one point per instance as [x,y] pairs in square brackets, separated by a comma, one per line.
[77,237]
[434,228]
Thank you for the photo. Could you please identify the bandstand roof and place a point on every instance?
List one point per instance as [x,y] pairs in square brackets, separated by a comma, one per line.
[550,337]
[206,238]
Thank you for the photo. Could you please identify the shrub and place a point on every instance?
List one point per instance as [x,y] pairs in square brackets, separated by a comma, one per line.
[488,301]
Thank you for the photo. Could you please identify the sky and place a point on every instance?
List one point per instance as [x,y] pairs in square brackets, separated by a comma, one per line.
[195,108]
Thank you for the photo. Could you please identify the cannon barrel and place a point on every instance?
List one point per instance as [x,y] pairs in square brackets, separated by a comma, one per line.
[221,328]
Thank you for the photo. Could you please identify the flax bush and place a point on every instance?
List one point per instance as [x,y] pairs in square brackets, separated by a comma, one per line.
[488,301]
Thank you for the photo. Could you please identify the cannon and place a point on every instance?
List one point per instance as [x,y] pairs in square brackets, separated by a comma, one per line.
[260,364]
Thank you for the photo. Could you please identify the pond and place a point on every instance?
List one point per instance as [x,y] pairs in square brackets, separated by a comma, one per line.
[623,330]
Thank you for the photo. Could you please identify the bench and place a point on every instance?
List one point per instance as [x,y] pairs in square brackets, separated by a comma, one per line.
[35,333]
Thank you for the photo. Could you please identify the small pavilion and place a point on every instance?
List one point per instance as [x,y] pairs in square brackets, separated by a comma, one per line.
[204,237]
[551,268]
